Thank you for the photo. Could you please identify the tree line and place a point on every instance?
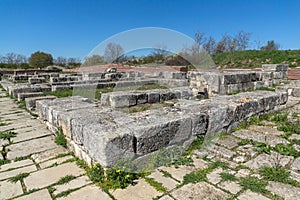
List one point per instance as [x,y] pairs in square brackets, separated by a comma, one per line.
[114,53]
[36,60]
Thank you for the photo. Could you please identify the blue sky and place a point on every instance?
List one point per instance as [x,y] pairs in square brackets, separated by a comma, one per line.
[72,28]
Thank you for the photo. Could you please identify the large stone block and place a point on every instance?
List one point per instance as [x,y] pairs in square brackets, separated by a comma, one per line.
[108,144]
[36,80]
[23,96]
[275,67]
[31,102]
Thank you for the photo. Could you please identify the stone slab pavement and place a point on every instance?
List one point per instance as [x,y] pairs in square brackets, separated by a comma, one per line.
[219,171]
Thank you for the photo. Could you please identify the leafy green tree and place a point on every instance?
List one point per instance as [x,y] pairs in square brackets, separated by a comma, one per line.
[40,59]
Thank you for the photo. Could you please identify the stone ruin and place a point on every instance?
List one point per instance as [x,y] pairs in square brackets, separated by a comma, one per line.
[202,102]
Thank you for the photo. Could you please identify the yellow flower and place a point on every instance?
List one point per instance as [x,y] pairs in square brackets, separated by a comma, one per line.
[118,171]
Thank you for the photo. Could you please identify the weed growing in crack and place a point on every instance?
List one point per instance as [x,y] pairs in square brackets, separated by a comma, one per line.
[60,139]
[18,177]
[254,184]
[158,186]
[65,179]
[227,177]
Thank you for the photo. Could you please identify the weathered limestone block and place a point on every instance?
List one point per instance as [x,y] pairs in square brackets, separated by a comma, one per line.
[209,81]
[153,96]
[173,82]
[107,143]
[31,102]
[25,88]
[122,100]
[160,128]
[48,109]
[23,96]
[221,115]
[275,67]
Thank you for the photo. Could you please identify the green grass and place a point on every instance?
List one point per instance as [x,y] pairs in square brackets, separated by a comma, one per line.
[158,186]
[255,58]
[3,162]
[7,135]
[30,191]
[139,108]
[60,139]
[195,145]
[50,189]
[65,179]
[21,158]
[266,89]
[18,177]
[278,174]
[228,177]
[197,176]
[166,174]
[60,93]
[217,164]
[254,184]
[3,124]
[65,193]
[286,150]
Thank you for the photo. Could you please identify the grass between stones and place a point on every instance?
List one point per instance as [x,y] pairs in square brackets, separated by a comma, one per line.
[18,177]
[158,186]
[254,184]
[3,124]
[65,179]
[227,177]
[200,175]
[278,174]
[60,139]
[7,135]
[3,162]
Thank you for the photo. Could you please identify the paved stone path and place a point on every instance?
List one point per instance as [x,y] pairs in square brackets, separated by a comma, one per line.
[33,153]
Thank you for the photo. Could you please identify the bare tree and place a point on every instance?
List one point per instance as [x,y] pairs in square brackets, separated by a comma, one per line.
[20,59]
[220,47]
[258,44]
[2,59]
[60,61]
[72,61]
[210,45]
[242,40]
[10,58]
[93,60]
[200,38]
[113,52]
